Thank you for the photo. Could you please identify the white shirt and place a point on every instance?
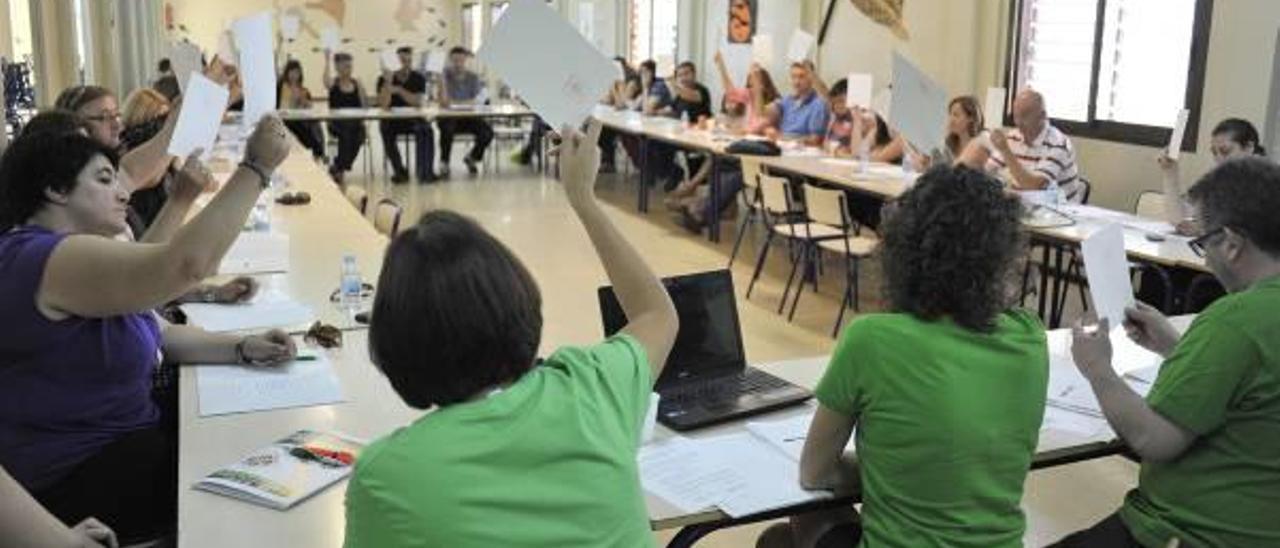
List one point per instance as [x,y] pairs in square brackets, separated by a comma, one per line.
[1049,155]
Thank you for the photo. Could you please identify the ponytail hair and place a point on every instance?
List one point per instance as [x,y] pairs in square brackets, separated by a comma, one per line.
[1241,132]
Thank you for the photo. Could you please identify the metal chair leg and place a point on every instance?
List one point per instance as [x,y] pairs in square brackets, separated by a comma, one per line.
[808,266]
[795,264]
[747,221]
[764,252]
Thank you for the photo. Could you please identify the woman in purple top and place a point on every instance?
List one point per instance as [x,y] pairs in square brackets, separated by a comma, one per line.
[78,340]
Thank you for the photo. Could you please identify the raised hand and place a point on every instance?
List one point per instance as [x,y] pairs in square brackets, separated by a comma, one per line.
[269,145]
[1150,329]
[580,161]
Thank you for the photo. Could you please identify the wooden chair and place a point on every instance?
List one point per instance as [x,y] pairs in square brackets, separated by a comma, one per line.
[788,221]
[386,218]
[1150,204]
[828,208]
[358,198]
[752,170]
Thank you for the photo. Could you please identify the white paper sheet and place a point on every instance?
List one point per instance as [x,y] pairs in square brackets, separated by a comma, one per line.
[880,103]
[993,111]
[1174,150]
[801,43]
[331,39]
[256,253]
[737,60]
[1070,391]
[762,50]
[266,311]
[435,61]
[227,389]
[562,78]
[290,26]
[861,94]
[257,65]
[786,435]
[738,473]
[203,103]
[389,59]
[919,106]
[186,60]
[1107,268]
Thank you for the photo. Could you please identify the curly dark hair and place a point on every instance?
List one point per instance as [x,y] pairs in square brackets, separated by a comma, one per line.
[952,246]
[1244,195]
[42,161]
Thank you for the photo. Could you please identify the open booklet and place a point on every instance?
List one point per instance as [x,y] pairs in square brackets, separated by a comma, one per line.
[288,471]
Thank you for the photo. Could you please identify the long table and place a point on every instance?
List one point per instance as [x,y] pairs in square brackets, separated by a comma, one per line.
[885,182]
[322,112]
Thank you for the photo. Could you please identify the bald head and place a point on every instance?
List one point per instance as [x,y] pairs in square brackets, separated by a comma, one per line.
[1029,114]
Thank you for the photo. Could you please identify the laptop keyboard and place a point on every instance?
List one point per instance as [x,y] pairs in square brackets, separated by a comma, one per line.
[750,381]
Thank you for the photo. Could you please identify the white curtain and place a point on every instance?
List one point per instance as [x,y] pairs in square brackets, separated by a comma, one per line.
[139,42]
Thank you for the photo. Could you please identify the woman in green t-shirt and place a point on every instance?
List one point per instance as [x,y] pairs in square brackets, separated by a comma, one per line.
[947,389]
[514,451]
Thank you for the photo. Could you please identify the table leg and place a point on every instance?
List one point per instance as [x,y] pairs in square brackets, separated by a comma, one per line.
[1059,281]
[646,176]
[713,222]
[1043,307]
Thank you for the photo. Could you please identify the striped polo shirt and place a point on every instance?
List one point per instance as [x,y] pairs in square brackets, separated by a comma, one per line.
[1050,155]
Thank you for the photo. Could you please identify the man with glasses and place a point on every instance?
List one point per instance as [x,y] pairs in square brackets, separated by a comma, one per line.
[1209,432]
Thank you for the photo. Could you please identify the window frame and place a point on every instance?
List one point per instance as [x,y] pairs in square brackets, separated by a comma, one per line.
[1107,130]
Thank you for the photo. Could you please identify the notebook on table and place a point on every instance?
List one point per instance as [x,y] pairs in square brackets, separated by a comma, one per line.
[288,471]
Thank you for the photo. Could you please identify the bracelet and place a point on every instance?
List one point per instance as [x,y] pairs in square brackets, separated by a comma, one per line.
[257,170]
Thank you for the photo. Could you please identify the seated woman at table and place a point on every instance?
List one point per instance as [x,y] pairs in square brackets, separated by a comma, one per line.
[965,122]
[853,130]
[291,93]
[144,165]
[760,97]
[27,525]
[517,451]
[940,462]
[79,428]
[181,193]
[145,114]
[344,92]
[1232,138]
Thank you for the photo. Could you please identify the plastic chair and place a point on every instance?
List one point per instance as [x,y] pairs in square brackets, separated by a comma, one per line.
[386,217]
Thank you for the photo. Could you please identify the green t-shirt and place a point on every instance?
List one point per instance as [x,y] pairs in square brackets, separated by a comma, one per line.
[1222,382]
[947,424]
[550,461]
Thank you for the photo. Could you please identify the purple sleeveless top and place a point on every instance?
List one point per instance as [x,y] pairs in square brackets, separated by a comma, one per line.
[70,387]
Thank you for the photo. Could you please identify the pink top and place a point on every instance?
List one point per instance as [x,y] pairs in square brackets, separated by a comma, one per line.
[757,122]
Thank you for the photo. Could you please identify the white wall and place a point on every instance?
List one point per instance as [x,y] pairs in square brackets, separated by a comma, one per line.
[369,23]
[776,18]
[962,43]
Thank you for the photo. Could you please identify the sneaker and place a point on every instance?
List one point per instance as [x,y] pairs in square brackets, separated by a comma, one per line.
[400,178]
[471,165]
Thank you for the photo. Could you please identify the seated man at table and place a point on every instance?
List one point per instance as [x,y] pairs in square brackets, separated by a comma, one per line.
[939,460]
[691,103]
[1044,161]
[405,88]
[803,115]
[517,451]
[462,88]
[1209,431]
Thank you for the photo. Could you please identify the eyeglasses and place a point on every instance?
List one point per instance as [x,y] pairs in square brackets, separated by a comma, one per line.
[1197,245]
[104,117]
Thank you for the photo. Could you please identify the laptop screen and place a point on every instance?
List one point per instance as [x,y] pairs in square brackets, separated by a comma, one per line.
[709,341]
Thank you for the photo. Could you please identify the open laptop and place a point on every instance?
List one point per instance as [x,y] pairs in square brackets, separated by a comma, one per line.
[707,380]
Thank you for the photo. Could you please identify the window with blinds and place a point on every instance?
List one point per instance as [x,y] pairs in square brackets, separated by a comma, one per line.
[1114,69]
[654,32]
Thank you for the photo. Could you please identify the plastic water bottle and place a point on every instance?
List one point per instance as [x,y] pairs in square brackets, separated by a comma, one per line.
[350,284]
[262,216]
[864,159]
[684,119]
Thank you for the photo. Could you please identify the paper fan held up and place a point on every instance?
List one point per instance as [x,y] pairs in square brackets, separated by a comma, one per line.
[885,12]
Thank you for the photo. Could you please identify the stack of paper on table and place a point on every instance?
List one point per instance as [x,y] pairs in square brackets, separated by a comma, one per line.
[741,474]
[228,389]
[264,311]
[288,471]
[256,253]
